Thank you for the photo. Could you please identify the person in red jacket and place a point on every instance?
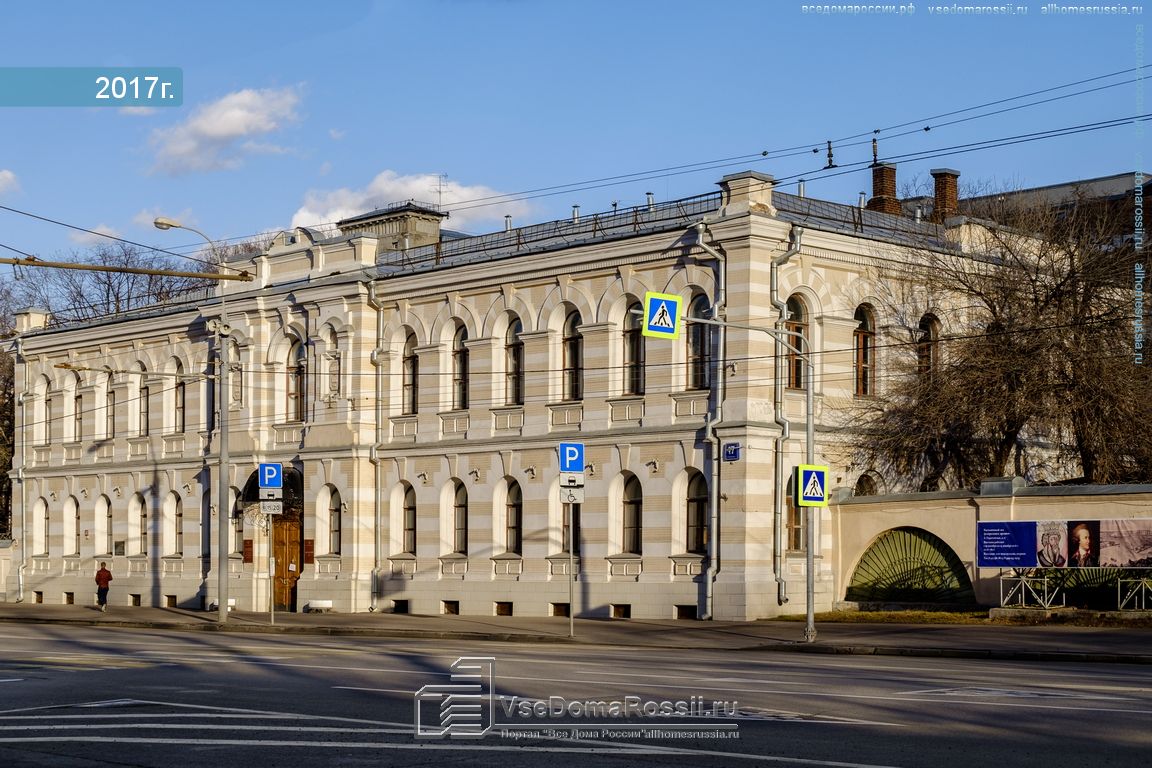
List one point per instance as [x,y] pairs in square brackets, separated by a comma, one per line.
[103,577]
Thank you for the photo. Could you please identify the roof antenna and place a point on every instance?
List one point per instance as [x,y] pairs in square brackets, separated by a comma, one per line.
[831,164]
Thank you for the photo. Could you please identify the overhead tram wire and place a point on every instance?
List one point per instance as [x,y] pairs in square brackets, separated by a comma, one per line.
[151,248]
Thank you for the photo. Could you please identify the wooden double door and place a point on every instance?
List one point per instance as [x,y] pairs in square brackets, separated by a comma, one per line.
[288,549]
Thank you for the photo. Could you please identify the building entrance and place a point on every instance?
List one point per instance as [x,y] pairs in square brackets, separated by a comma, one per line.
[286,534]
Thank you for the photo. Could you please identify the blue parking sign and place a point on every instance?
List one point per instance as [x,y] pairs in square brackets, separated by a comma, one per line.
[571,457]
[271,476]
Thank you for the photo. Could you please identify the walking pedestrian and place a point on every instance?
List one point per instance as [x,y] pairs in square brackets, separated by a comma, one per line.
[103,577]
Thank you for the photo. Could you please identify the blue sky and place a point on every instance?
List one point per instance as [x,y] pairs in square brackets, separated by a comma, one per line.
[304,112]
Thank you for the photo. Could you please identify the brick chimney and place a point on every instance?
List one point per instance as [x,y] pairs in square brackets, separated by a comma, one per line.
[947,201]
[884,197]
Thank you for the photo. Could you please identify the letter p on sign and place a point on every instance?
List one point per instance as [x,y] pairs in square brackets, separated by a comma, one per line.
[571,457]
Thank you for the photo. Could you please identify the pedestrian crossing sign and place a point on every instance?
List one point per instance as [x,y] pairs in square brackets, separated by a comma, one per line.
[811,483]
[661,315]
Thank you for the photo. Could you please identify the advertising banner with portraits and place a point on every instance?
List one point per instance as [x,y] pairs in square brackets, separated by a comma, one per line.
[1123,543]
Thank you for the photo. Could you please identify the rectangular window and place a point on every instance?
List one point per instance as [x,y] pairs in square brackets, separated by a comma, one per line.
[795,525]
[567,538]
[142,411]
[178,421]
[410,529]
[110,415]
[334,522]
[47,421]
[77,418]
[514,540]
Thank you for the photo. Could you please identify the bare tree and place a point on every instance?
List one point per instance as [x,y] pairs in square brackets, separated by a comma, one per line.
[7,409]
[1034,374]
[72,295]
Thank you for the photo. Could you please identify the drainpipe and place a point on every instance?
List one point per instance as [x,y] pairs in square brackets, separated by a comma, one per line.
[20,476]
[374,453]
[778,408]
[714,419]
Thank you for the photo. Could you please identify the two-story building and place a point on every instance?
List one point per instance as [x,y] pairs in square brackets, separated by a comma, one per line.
[416,387]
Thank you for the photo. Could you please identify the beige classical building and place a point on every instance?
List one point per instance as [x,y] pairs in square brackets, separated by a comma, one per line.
[416,387]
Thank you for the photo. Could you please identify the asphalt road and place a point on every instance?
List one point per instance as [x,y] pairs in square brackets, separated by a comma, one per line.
[94,696]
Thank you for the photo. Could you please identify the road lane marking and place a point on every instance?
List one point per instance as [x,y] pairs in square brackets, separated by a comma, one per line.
[614,748]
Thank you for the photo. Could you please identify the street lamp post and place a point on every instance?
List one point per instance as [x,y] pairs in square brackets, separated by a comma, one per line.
[223,503]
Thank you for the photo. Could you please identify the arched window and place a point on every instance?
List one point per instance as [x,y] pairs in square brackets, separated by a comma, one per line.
[411,373]
[633,350]
[179,420]
[460,370]
[237,523]
[928,346]
[460,519]
[335,511]
[102,523]
[72,518]
[794,521]
[75,401]
[144,410]
[699,340]
[570,535]
[41,524]
[296,372]
[332,356]
[696,537]
[797,322]
[409,541]
[138,515]
[573,354]
[109,410]
[633,516]
[865,486]
[178,515]
[139,404]
[514,363]
[864,344]
[235,373]
[514,519]
[42,412]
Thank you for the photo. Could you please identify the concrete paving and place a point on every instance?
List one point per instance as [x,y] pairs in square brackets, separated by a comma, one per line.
[1045,642]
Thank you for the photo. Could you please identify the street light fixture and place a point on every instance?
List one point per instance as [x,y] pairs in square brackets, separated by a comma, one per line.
[223,503]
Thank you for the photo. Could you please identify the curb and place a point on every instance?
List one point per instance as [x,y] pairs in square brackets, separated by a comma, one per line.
[845,649]
[967,653]
[265,629]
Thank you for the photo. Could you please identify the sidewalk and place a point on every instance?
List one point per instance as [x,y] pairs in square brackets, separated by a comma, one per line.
[1022,643]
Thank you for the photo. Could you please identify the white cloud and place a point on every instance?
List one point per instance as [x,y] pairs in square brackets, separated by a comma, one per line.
[323,208]
[219,135]
[138,111]
[325,168]
[88,238]
[8,182]
[336,134]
